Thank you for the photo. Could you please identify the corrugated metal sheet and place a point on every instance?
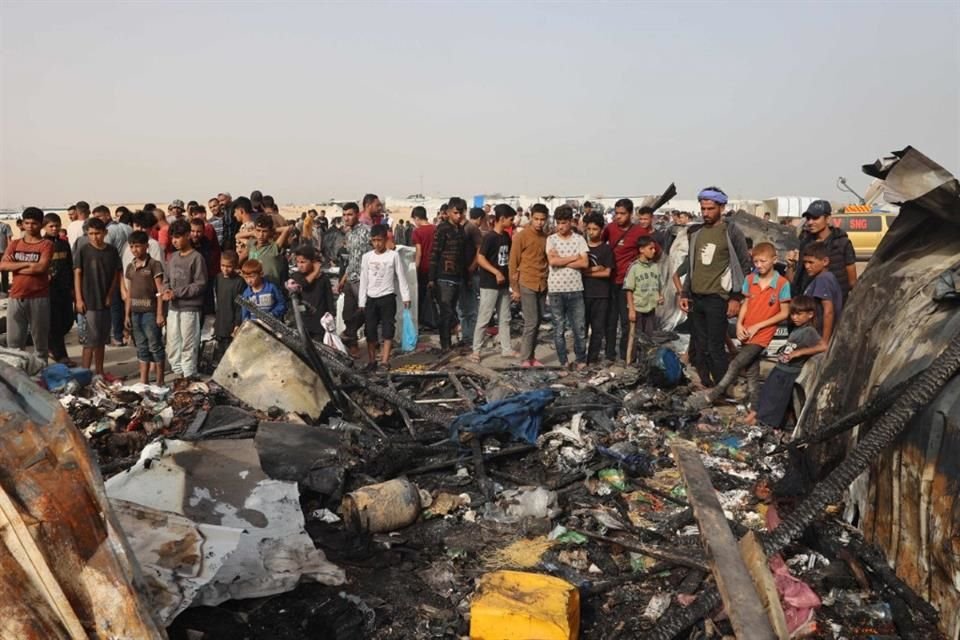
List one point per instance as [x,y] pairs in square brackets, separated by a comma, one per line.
[895,323]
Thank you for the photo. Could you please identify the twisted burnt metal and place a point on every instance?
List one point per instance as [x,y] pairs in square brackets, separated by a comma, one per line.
[345,371]
[922,390]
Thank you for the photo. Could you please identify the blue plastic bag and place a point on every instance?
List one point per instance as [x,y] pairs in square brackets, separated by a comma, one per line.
[408,335]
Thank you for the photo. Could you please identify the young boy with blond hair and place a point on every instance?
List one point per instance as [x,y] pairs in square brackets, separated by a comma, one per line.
[766,304]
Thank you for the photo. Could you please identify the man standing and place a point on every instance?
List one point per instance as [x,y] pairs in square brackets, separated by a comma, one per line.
[528,280]
[372,209]
[566,255]
[78,226]
[422,238]
[357,243]
[493,260]
[718,262]
[28,308]
[622,236]
[843,259]
[448,266]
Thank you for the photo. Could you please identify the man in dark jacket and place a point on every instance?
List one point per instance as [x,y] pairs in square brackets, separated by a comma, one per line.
[448,266]
[718,262]
[843,259]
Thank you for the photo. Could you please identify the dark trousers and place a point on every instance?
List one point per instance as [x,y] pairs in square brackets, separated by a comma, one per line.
[596,313]
[4,281]
[427,313]
[448,294]
[352,316]
[61,321]
[618,318]
[775,396]
[117,313]
[646,322]
[708,331]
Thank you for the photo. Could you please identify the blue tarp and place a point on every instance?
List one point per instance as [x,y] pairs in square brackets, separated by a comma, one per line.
[520,416]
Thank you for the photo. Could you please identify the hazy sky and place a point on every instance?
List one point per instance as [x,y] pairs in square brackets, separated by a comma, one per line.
[152,101]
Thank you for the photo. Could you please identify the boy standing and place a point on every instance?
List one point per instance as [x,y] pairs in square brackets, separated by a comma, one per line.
[566,255]
[766,304]
[314,289]
[263,293]
[227,287]
[142,283]
[596,285]
[823,287]
[528,279]
[267,251]
[803,342]
[493,260]
[61,288]
[96,275]
[448,268]
[28,308]
[184,281]
[422,238]
[644,287]
[379,269]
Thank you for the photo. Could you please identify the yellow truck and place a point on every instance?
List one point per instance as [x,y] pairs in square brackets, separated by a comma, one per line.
[864,228]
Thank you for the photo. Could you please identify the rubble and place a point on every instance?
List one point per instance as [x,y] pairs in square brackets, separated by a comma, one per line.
[446,499]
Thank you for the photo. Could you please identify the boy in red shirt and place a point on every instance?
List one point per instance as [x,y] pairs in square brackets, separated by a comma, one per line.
[28,259]
[766,304]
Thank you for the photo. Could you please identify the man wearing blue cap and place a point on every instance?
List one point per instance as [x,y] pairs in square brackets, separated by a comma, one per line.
[718,262]
[843,259]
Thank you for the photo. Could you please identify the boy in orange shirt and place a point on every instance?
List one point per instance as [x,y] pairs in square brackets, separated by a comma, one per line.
[766,304]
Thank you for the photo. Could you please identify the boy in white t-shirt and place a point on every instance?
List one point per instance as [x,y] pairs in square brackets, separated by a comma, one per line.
[379,270]
[567,255]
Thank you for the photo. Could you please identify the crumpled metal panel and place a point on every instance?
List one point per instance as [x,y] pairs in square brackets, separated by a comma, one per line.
[55,488]
[217,486]
[896,321]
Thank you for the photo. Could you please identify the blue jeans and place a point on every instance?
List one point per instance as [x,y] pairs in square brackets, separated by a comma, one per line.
[147,337]
[568,311]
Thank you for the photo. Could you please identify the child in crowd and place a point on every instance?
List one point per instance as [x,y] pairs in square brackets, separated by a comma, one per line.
[28,307]
[263,293]
[142,284]
[61,289]
[823,287]
[566,255]
[644,287]
[184,281]
[766,304]
[379,271]
[229,284]
[315,289]
[803,342]
[493,260]
[269,251]
[96,274]
[200,233]
[596,285]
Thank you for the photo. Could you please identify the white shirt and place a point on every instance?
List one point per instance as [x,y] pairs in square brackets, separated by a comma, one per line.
[566,279]
[74,231]
[378,272]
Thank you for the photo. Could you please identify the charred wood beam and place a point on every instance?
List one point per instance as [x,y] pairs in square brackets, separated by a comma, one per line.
[446,464]
[673,556]
[740,599]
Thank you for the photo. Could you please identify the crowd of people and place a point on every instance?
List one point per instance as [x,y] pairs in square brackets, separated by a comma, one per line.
[154,276]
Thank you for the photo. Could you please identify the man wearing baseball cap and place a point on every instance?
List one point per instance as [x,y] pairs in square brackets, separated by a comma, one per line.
[843,259]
